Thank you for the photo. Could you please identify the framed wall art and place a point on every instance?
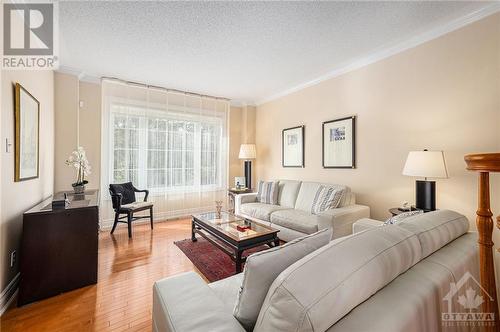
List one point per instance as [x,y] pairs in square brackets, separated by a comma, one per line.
[27,126]
[339,148]
[292,147]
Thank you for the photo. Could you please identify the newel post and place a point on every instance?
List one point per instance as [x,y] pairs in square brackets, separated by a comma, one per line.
[484,164]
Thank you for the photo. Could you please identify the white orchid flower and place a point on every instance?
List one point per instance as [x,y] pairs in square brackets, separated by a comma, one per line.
[78,160]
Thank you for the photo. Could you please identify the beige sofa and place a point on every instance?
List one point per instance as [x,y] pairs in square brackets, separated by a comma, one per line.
[391,278]
[292,215]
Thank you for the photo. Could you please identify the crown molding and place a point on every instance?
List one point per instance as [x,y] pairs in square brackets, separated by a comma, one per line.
[241,103]
[69,70]
[90,79]
[80,74]
[237,103]
[392,50]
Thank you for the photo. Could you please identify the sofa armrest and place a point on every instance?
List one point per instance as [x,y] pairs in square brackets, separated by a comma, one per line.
[186,303]
[364,224]
[243,199]
[341,219]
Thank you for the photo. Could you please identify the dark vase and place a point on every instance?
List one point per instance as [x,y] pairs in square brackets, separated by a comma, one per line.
[79,188]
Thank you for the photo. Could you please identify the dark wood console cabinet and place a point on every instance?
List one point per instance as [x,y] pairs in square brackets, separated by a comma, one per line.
[59,247]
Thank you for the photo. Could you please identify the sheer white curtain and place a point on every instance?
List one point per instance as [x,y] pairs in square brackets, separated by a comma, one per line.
[172,143]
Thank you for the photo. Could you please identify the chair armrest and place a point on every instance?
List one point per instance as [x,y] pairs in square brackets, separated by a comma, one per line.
[341,219]
[243,199]
[116,200]
[186,303]
[364,224]
[143,191]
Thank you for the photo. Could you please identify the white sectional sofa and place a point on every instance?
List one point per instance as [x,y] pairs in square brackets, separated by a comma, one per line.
[292,215]
[389,278]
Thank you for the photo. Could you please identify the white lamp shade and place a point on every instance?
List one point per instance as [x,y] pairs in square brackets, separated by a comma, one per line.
[428,164]
[247,151]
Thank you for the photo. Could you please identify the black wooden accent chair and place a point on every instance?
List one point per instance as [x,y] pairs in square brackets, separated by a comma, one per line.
[123,198]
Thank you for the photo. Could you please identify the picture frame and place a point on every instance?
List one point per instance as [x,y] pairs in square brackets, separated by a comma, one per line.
[293,147]
[27,135]
[339,143]
[240,182]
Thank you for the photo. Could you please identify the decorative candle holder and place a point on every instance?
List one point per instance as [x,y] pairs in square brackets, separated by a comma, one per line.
[218,209]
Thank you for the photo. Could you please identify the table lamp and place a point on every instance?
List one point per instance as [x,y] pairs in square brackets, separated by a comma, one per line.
[247,152]
[426,164]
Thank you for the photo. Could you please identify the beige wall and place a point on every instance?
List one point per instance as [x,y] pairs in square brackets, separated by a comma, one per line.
[17,197]
[441,95]
[241,131]
[235,129]
[84,126]
[65,99]
[90,128]
[76,126]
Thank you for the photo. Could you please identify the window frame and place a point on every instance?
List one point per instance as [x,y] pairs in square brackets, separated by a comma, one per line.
[145,111]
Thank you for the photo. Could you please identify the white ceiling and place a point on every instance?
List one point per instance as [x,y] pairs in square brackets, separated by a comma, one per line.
[246,51]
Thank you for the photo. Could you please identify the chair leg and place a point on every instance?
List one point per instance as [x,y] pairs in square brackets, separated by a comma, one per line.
[129,222]
[115,223]
[151,216]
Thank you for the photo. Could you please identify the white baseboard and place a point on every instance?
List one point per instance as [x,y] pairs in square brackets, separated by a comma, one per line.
[160,216]
[9,294]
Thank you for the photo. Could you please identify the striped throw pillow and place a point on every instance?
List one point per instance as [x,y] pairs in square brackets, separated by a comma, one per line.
[397,218]
[326,198]
[268,192]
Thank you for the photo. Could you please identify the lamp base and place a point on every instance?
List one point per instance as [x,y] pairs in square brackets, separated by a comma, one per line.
[425,195]
[248,174]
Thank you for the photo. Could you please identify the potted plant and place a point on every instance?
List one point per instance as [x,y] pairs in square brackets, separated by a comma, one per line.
[79,160]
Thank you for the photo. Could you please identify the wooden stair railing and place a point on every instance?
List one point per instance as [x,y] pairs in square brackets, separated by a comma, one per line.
[484,164]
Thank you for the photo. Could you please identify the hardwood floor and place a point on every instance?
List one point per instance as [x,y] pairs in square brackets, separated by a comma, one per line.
[122,298]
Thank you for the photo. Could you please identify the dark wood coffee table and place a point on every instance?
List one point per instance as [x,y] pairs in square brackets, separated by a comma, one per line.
[223,233]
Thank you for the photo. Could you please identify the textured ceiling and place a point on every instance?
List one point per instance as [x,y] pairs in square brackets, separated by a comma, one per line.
[246,51]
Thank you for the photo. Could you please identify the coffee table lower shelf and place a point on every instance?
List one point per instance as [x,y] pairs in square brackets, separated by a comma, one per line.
[234,249]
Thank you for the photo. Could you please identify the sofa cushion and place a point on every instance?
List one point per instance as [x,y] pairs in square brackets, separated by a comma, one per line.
[180,304]
[318,290]
[305,196]
[288,191]
[326,198]
[136,205]
[297,220]
[268,192]
[262,268]
[227,290]
[307,192]
[260,210]
[422,308]
[365,223]
[436,229]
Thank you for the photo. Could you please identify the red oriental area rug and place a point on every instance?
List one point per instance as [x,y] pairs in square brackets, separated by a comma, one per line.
[210,260]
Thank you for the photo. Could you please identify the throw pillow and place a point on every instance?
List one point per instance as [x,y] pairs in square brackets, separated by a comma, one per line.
[127,191]
[402,216]
[268,192]
[263,267]
[326,198]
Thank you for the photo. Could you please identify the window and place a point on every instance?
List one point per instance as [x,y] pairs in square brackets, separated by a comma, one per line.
[166,150]
[174,144]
